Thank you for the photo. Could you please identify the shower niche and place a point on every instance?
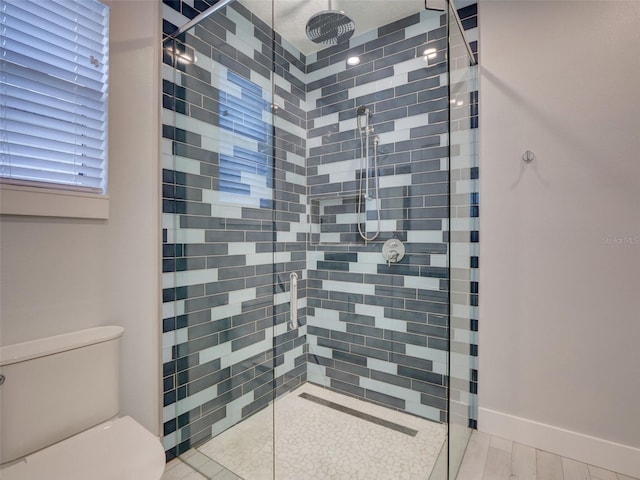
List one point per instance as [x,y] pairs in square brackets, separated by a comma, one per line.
[334,220]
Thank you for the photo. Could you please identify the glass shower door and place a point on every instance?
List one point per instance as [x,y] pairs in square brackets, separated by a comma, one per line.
[223,304]
[373,164]
[293,346]
[463,241]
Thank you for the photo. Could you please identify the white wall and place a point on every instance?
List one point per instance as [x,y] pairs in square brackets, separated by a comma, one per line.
[560,322]
[61,274]
[135,236]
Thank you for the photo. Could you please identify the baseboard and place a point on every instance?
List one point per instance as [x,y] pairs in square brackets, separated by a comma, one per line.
[594,451]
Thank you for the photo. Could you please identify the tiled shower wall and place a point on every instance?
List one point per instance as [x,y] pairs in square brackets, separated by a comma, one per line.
[374,331]
[234,222]
[377,331]
[380,331]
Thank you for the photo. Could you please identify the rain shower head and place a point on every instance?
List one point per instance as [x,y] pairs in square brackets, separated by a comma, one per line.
[330,27]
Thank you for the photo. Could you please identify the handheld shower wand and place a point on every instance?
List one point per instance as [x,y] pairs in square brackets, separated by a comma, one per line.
[363,111]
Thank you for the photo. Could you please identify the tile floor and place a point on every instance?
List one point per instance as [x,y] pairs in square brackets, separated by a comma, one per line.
[325,436]
[305,453]
[493,458]
[176,469]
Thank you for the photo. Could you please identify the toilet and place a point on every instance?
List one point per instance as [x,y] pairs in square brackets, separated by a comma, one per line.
[59,412]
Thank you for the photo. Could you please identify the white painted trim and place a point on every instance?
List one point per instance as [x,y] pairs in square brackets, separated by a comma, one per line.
[44,202]
[585,448]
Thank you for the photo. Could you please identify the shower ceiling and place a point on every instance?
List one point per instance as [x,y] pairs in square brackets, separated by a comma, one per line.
[292,15]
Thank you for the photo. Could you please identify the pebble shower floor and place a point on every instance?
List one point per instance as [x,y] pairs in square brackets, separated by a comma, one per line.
[319,437]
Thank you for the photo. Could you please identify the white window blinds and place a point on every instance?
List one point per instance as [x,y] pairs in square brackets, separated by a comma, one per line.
[54,93]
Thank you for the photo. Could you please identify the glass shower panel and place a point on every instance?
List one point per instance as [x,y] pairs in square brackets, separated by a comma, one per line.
[222,288]
[374,404]
[463,242]
[289,164]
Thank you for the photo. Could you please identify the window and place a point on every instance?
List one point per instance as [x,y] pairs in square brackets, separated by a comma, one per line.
[54,94]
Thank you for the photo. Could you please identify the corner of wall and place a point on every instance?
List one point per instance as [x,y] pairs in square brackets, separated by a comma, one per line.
[134,226]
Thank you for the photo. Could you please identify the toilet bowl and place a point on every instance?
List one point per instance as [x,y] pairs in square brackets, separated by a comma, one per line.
[118,449]
[58,414]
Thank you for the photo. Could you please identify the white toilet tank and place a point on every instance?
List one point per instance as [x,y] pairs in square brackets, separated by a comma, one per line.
[56,387]
[58,407]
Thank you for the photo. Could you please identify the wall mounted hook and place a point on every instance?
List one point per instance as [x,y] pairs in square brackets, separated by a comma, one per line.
[528,156]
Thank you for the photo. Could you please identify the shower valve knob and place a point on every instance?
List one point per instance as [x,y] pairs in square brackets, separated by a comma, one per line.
[393,251]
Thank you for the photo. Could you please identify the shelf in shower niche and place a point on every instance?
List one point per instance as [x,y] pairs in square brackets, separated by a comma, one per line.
[334,220]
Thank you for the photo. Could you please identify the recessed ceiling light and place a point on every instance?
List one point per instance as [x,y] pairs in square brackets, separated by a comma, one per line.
[353,61]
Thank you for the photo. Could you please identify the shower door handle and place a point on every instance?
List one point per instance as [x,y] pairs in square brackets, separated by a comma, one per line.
[293,287]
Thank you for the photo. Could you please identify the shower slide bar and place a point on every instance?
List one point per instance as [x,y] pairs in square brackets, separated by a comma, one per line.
[293,287]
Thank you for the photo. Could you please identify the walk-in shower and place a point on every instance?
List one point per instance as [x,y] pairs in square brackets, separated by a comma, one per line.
[319,238]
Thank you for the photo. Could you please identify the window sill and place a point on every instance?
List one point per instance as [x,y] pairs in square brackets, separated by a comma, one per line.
[43,202]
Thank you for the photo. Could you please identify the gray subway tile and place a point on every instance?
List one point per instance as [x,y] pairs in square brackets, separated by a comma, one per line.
[374,76]
[202,303]
[417,86]
[208,328]
[391,60]
[422,375]
[323,82]
[409,43]
[357,318]
[363,330]
[399,24]
[342,376]
[237,332]
[365,352]
[385,399]
[347,337]
[435,402]
[429,388]
[391,379]
[406,338]
[385,345]
[387,37]
[334,344]
[349,357]
[336,87]
[248,340]
[429,330]
[438,343]
[347,387]
[351,368]
[208,381]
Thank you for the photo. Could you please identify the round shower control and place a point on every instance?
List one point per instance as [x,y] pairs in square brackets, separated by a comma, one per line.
[393,251]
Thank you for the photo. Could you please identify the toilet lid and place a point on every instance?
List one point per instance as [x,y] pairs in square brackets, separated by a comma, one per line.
[118,449]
